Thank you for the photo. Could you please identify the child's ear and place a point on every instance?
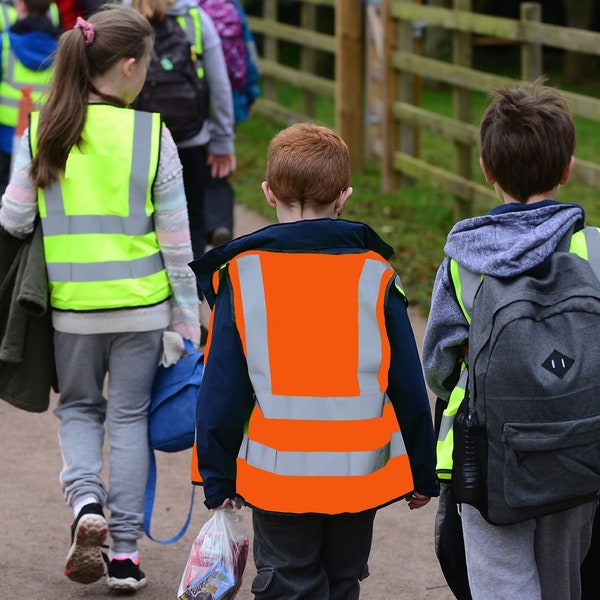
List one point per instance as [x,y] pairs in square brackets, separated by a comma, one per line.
[271,200]
[127,66]
[567,172]
[489,178]
[341,200]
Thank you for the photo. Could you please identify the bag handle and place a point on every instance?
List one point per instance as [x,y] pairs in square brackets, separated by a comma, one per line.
[149,504]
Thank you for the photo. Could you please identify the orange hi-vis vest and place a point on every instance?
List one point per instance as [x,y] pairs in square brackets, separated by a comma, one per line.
[323,435]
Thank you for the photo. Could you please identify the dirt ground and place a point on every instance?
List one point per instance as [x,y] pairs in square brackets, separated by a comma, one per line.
[35,532]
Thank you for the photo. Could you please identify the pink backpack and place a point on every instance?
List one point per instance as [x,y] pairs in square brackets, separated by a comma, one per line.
[228,23]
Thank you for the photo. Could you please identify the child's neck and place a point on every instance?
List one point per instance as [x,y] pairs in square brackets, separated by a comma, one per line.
[290,214]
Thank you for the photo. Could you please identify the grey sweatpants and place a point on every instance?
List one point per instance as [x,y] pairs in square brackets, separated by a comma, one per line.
[82,362]
[538,559]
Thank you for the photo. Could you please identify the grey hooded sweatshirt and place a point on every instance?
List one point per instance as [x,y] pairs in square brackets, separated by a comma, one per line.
[508,241]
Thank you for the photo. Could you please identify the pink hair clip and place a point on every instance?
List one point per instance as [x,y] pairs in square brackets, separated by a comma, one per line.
[87,29]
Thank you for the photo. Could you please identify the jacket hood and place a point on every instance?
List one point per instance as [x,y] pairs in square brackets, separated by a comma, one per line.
[314,235]
[512,238]
[35,49]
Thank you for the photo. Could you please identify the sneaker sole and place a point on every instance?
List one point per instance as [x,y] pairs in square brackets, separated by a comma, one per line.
[130,584]
[85,563]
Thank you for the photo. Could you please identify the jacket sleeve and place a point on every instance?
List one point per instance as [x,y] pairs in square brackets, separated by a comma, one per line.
[225,402]
[173,235]
[221,102]
[19,207]
[407,392]
[445,334]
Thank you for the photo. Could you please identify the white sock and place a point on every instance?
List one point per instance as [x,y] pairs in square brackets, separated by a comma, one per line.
[134,557]
[83,502]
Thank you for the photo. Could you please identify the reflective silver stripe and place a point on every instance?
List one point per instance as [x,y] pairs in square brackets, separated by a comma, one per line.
[255,319]
[57,222]
[322,408]
[61,224]
[592,240]
[105,271]
[9,77]
[370,401]
[320,464]
[448,420]
[6,16]
[369,336]
[469,283]
[139,179]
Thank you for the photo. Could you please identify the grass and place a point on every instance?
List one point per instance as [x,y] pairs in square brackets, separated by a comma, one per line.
[414,221]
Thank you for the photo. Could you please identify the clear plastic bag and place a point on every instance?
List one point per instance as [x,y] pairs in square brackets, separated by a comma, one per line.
[217,559]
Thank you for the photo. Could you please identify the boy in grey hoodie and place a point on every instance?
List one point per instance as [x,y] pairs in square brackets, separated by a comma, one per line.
[527,145]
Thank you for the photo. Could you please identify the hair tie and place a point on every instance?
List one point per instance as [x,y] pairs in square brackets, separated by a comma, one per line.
[87,29]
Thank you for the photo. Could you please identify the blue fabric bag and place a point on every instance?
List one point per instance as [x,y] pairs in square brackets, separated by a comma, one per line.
[172,418]
[172,421]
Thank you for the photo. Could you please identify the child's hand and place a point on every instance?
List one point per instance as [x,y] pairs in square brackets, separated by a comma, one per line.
[236,502]
[416,500]
[221,165]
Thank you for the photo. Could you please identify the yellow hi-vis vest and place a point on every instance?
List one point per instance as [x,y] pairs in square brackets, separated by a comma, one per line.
[585,243]
[15,75]
[323,435]
[99,241]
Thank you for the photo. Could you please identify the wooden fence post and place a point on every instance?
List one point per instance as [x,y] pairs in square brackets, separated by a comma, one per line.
[349,77]
[531,54]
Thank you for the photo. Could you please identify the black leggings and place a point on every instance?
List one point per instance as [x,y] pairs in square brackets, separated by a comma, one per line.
[194,172]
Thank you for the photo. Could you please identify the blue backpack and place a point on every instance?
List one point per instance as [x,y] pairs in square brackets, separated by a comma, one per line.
[172,421]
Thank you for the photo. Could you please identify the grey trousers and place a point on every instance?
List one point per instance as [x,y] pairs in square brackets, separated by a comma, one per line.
[82,362]
[538,559]
[311,556]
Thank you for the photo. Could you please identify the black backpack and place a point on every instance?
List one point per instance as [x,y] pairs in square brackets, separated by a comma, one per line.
[532,424]
[173,87]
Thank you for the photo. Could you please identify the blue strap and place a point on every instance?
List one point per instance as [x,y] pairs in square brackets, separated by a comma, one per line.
[149,504]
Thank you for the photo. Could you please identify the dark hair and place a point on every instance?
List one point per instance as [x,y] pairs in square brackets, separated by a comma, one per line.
[119,32]
[37,8]
[527,139]
[308,164]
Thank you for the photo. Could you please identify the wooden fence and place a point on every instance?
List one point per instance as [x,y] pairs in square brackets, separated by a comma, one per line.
[405,118]
[386,106]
